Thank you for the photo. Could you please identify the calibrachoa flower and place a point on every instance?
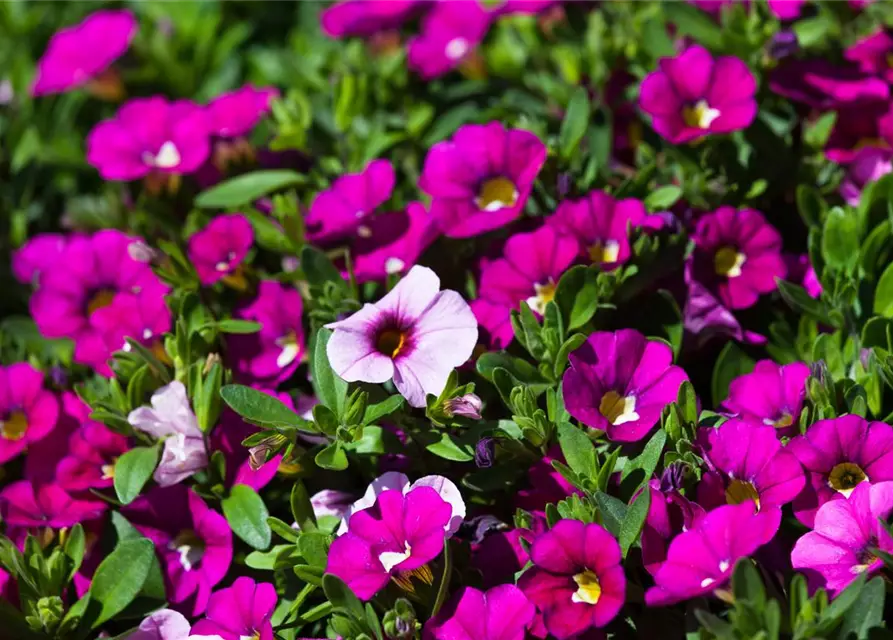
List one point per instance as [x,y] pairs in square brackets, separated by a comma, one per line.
[399,534]
[501,613]
[693,95]
[868,165]
[737,255]
[366,17]
[28,412]
[165,624]
[150,135]
[38,254]
[171,418]
[218,250]
[27,504]
[772,395]
[577,579]
[273,353]
[193,541]
[236,113]
[701,559]
[44,456]
[416,335]
[873,54]
[620,383]
[480,180]
[77,54]
[859,128]
[823,84]
[838,455]
[839,548]
[90,463]
[240,611]
[529,271]
[669,514]
[747,462]
[449,33]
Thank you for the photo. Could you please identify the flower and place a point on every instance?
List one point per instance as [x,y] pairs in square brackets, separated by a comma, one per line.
[466,406]
[747,463]
[394,481]
[193,542]
[704,315]
[44,456]
[27,504]
[399,534]
[873,54]
[77,54]
[737,255]
[150,135]
[822,84]
[172,419]
[365,17]
[868,165]
[90,462]
[235,113]
[165,624]
[38,254]
[547,485]
[240,611]
[669,514]
[480,180]
[272,354]
[28,412]
[501,613]
[838,455]
[694,95]
[858,128]
[220,247]
[577,579]
[839,548]
[341,208]
[620,383]
[529,271]
[449,33]
[601,225]
[771,394]
[416,335]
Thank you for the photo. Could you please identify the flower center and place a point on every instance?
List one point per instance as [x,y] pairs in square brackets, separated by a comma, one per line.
[588,588]
[604,252]
[845,477]
[108,470]
[545,293]
[290,349]
[739,492]
[390,559]
[15,426]
[168,156]
[254,636]
[782,422]
[456,48]
[496,193]
[699,115]
[100,299]
[618,409]
[190,548]
[727,262]
[224,265]
[394,265]
[391,342]
[865,562]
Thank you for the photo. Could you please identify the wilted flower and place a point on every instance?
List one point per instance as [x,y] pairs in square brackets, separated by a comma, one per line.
[28,412]
[241,611]
[236,113]
[416,335]
[28,504]
[366,17]
[772,395]
[218,250]
[449,33]
[502,613]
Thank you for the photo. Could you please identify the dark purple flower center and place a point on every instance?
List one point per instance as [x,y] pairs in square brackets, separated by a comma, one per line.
[496,193]
[391,340]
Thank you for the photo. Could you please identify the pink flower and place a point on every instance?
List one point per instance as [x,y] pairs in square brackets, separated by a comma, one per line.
[502,613]
[142,317]
[27,504]
[235,113]
[771,395]
[669,514]
[90,463]
[860,128]
[872,54]
[825,85]
[366,17]
[449,33]
[220,247]
[38,254]
[150,135]
[240,611]
[28,412]
[694,95]
[416,335]
[868,165]
[81,52]
[164,624]
[481,179]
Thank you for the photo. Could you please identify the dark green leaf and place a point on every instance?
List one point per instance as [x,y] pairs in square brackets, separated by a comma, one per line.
[247,516]
[632,523]
[747,583]
[330,389]
[119,578]
[799,300]
[244,189]
[883,294]
[375,412]
[575,123]
[341,597]
[332,457]
[841,239]
[577,296]
[318,268]
[578,449]
[314,548]
[133,470]
[612,511]
[301,507]
[867,612]
[731,363]
[260,408]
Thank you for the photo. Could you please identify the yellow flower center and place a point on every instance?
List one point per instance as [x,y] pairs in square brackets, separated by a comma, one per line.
[782,422]
[290,349]
[588,588]
[728,262]
[618,409]
[739,492]
[700,115]
[497,193]
[390,342]
[874,143]
[545,293]
[15,426]
[108,470]
[100,299]
[845,477]
[604,253]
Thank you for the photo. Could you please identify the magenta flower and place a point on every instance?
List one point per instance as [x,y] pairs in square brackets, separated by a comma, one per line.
[235,113]
[839,547]
[577,579]
[400,533]
[701,559]
[366,17]
[171,418]
[705,316]
[873,54]
[838,455]
[39,253]
[786,9]
[746,463]
[811,282]
[79,53]
[150,135]
[272,354]
[240,611]
[694,95]
[449,33]
[416,335]
[28,504]
[501,613]
[737,255]
[620,383]
[90,463]
[825,85]
[218,250]
[28,412]
[868,165]
[194,542]
[529,271]
[772,395]
[669,514]
[480,180]
[44,455]
[340,209]
[601,224]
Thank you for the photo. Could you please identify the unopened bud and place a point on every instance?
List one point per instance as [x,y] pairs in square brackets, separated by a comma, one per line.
[467,406]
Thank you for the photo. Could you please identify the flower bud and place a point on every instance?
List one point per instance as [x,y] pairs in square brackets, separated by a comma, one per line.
[467,406]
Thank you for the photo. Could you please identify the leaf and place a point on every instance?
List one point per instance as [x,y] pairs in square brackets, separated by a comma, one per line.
[330,389]
[648,460]
[612,511]
[575,123]
[518,369]
[247,188]
[867,612]
[332,457]
[799,300]
[341,597]
[578,450]
[232,325]
[663,198]
[691,21]
[314,548]
[318,268]
[811,205]
[447,448]
[577,296]
[247,516]
[731,363]
[632,523]
[747,583]
[840,239]
[375,412]
[883,294]
[261,409]
[301,507]
[119,578]
[133,470]
[74,547]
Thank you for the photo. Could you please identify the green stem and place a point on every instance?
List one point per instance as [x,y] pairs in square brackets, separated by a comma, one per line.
[444,579]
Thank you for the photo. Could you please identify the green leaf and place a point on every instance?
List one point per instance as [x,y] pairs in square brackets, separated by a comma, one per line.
[133,470]
[447,448]
[247,516]
[648,460]
[575,123]
[811,205]
[578,450]
[332,457]
[731,363]
[799,300]
[330,389]
[632,523]
[840,239]
[247,188]
[341,597]
[663,198]
[577,296]
[747,585]
[375,412]
[612,511]
[232,325]
[883,294]
[261,409]
[314,548]
[318,268]
[301,507]
[693,22]
[119,578]
[866,613]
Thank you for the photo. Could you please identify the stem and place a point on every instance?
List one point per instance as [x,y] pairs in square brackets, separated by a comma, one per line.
[444,579]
